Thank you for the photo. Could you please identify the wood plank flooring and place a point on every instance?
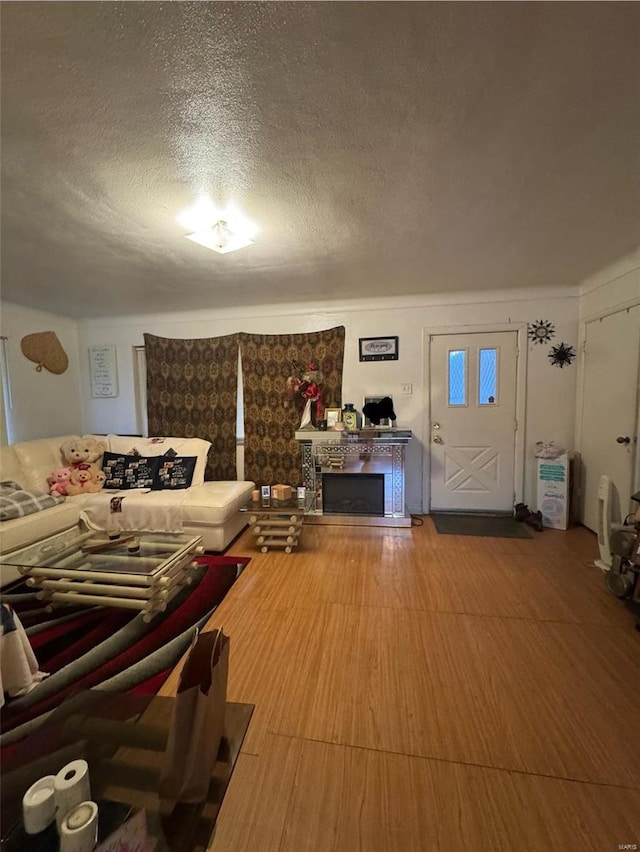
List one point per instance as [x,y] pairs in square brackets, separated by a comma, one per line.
[416,691]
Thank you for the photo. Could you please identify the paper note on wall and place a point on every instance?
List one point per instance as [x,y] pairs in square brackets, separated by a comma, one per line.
[103,371]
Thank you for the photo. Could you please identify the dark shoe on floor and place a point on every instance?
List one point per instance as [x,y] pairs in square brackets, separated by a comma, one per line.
[535,520]
[521,512]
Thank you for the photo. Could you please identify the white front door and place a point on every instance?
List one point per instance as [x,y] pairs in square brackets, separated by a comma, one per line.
[473,421]
[609,409]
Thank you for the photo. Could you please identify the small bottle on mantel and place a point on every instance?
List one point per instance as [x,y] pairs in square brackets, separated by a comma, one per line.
[350,416]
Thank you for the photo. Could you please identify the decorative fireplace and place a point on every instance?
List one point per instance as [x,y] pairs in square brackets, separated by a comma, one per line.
[355,478]
[353,494]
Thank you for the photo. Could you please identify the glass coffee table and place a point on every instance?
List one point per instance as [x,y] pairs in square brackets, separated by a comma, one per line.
[123,737]
[142,571]
[276,523]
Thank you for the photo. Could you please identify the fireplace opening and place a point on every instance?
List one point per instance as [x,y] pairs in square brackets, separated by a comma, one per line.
[353,494]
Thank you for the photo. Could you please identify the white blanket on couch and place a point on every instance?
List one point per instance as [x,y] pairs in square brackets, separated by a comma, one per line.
[151,511]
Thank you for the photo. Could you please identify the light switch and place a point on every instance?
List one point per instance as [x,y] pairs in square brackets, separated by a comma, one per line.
[406,388]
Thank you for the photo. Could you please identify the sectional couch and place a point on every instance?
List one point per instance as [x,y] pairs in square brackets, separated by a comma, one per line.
[209,509]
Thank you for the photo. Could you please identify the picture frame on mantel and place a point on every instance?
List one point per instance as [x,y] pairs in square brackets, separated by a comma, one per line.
[332,416]
[378,348]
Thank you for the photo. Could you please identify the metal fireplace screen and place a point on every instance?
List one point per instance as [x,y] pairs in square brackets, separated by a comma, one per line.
[353,494]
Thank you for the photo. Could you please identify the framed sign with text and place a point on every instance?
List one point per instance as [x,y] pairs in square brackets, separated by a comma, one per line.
[378,348]
[103,371]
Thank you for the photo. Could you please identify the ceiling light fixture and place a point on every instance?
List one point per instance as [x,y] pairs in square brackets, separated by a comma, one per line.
[219,230]
[219,238]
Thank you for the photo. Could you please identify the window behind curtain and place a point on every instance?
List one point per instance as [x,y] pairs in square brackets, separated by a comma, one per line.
[6,436]
[140,391]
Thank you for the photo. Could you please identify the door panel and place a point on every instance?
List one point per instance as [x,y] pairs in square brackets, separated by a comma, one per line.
[609,409]
[472,429]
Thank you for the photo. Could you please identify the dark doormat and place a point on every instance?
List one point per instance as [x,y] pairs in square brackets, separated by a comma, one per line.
[498,526]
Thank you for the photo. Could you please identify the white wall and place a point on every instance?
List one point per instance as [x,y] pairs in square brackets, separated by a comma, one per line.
[615,286]
[44,404]
[550,390]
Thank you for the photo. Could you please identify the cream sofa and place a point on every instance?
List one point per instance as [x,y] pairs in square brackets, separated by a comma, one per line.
[209,509]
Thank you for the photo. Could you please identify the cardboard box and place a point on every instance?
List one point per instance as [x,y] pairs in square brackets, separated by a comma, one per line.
[554,491]
[281,492]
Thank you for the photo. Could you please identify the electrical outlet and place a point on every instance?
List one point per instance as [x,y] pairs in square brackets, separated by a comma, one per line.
[406,388]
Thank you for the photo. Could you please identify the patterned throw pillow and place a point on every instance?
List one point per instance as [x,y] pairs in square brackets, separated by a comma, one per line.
[175,472]
[15,502]
[124,471]
[151,447]
[169,472]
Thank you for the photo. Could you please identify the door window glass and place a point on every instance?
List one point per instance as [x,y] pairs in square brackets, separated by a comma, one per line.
[457,377]
[488,376]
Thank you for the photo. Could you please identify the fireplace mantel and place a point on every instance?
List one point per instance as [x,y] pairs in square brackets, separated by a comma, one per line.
[362,451]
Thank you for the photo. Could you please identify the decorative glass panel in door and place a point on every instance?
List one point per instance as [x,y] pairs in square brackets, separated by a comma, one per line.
[488,376]
[457,377]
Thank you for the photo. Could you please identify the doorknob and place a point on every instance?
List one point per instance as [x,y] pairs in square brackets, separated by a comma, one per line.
[623,439]
[437,439]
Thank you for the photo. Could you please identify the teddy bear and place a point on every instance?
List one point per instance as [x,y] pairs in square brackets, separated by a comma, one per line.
[86,450]
[85,479]
[58,480]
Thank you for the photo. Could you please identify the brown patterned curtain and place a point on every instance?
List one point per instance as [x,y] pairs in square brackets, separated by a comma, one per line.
[271,453]
[192,388]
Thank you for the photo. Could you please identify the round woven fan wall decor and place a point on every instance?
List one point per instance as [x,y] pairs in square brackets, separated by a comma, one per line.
[45,350]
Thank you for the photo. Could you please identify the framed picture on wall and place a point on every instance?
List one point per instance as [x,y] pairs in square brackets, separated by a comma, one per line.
[378,348]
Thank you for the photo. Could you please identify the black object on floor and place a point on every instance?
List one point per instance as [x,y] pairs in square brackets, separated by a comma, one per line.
[498,526]
[521,512]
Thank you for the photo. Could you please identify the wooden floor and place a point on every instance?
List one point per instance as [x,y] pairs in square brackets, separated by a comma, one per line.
[417,691]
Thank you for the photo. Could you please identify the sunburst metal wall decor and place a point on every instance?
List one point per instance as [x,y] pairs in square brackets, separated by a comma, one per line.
[561,355]
[541,331]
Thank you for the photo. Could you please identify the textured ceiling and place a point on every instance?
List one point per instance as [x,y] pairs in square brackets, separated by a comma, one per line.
[384,148]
